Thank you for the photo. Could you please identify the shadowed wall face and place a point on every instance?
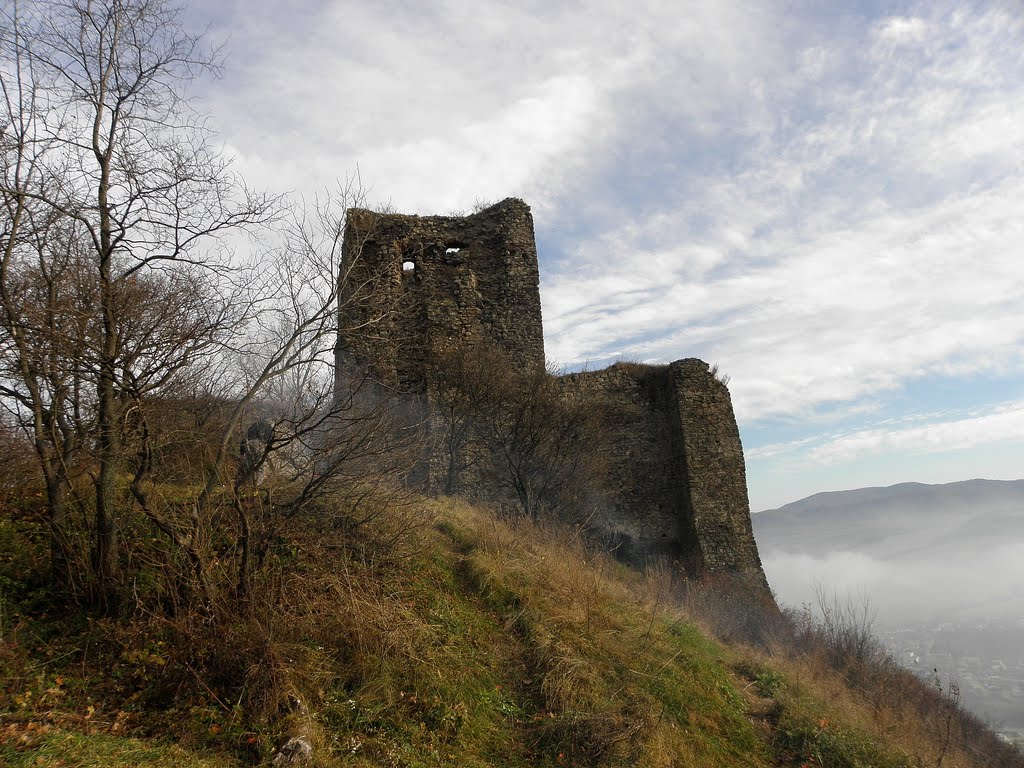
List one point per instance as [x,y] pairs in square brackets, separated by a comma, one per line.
[676,477]
[646,514]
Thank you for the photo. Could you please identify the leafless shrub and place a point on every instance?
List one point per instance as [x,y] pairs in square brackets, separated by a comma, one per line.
[482,204]
[514,430]
[17,478]
[843,628]
[733,608]
[837,634]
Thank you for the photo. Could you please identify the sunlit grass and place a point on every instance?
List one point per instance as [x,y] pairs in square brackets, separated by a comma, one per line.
[478,642]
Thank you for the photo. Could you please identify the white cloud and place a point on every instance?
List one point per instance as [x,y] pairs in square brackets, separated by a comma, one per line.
[902,30]
[442,104]
[1003,423]
[424,100]
[872,243]
[839,315]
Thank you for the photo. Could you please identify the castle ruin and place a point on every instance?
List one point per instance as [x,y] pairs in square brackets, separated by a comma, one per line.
[413,286]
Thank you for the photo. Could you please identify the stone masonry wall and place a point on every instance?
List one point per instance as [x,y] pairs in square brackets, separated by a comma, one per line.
[645,515]
[412,286]
[716,480]
[676,478]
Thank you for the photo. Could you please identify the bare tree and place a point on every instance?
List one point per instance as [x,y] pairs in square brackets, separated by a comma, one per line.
[305,432]
[35,383]
[461,383]
[544,441]
[515,429]
[100,140]
[46,328]
[115,207]
[330,433]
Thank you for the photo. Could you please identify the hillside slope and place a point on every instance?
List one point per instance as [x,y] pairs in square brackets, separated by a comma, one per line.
[469,642]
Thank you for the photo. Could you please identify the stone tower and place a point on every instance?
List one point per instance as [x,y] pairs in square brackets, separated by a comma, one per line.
[423,283]
[676,484]
[415,286]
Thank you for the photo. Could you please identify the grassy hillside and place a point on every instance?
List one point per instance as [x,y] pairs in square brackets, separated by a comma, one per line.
[459,641]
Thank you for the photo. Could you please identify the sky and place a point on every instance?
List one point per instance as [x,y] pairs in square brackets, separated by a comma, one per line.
[824,199]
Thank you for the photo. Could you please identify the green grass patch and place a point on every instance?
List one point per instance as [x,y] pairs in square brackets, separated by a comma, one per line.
[58,748]
[483,643]
[803,740]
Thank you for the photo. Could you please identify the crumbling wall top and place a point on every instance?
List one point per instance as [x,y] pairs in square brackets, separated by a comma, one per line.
[430,282]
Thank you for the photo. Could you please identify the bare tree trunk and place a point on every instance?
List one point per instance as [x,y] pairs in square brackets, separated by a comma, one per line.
[105,554]
[453,461]
[56,506]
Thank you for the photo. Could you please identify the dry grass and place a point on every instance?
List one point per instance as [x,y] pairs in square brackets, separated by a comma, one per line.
[472,641]
[833,670]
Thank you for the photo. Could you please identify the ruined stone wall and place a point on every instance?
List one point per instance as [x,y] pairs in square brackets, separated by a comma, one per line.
[413,285]
[645,514]
[716,480]
[676,478]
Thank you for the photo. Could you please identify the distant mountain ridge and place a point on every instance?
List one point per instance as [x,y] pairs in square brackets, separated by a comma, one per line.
[908,520]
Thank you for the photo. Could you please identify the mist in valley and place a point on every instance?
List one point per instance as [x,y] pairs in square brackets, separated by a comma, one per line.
[915,553]
[939,569]
[947,586]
